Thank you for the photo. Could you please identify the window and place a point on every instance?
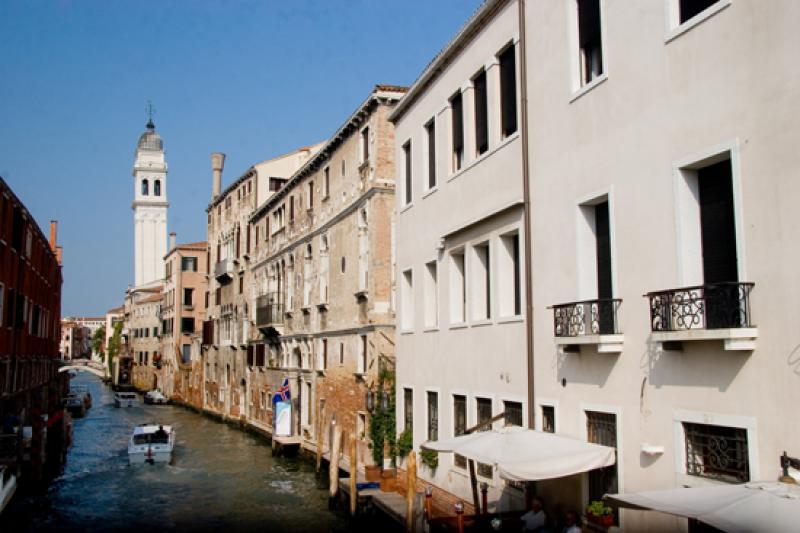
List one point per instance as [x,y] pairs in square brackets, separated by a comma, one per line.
[187,325]
[407,317]
[689,8]
[189,264]
[186,353]
[459,424]
[717,452]
[157,188]
[589,40]
[508,280]
[408,409]
[145,187]
[456,108]
[155,331]
[407,172]
[241,283]
[2,301]
[341,353]
[481,281]
[458,288]
[324,354]
[326,183]
[481,113]
[484,412]
[431,295]
[602,429]
[430,133]
[433,416]
[362,425]
[548,418]
[188,296]
[343,167]
[362,355]
[365,145]
[513,413]
[508,91]
[310,196]
[291,209]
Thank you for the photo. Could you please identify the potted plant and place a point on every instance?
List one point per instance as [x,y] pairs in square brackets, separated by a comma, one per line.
[600,513]
[429,458]
[382,428]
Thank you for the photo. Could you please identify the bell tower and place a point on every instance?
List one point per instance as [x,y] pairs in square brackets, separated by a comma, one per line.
[149,206]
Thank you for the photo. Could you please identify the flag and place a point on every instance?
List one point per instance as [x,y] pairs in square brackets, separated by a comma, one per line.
[284,393]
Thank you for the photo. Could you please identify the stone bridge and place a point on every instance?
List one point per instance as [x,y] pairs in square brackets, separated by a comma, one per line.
[83,365]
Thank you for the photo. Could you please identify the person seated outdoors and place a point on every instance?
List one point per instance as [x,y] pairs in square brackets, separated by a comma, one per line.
[571,523]
[160,436]
[534,519]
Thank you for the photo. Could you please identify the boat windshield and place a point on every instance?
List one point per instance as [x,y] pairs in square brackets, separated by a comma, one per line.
[159,437]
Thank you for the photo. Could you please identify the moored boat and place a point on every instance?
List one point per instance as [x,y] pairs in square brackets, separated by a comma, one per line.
[75,405]
[151,443]
[8,485]
[125,399]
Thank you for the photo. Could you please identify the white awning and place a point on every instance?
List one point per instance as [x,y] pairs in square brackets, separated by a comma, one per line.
[523,454]
[752,507]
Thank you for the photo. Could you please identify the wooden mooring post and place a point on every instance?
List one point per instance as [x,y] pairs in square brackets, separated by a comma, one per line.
[411,489]
[353,475]
[334,463]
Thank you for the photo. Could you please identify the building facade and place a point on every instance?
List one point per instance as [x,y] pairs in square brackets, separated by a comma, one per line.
[321,283]
[143,323]
[461,356]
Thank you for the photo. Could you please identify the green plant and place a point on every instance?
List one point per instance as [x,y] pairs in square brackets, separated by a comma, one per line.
[99,340]
[382,426]
[405,443]
[429,458]
[113,346]
[598,508]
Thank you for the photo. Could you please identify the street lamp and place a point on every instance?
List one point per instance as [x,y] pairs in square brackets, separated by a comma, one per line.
[369,400]
[384,400]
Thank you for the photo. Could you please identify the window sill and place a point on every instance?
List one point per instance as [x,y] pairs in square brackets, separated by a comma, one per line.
[605,343]
[511,319]
[430,329]
[679,30]
[360,375]
[508,140]
[734,339]
[588,87]
[459,325]
[430,191]
[482,322]
[406,207]
[406,332]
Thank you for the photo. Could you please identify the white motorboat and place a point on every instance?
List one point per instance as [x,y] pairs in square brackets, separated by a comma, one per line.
[125,399]
[155,397]
[151,443]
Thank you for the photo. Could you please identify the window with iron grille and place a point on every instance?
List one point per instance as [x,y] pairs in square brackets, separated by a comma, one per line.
[548,418]
[513,413]
[484,407]
[408,409]
[459,424]
[717,452]
[433,416]
[602,429]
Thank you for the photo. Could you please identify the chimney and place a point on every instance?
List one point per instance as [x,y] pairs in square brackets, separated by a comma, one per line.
[53,234]
[171,240]
[59,251]
[217,164]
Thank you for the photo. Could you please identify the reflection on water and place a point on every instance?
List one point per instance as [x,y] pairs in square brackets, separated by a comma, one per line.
[221,478]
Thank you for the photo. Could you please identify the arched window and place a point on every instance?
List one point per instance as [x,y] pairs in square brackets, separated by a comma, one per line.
[145,188]
[157,188]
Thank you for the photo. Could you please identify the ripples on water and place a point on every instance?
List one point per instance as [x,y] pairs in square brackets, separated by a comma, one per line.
[221,479]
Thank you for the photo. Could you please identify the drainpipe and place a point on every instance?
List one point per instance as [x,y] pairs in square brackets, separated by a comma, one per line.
[526,212]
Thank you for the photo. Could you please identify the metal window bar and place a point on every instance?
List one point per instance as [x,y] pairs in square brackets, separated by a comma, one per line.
[433,416]
[460,425]
[269,309]
[484,407]
[717,452]
[588,317]
[602,429]
[711,306]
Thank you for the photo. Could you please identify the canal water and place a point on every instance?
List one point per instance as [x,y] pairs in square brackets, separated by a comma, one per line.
[221,479]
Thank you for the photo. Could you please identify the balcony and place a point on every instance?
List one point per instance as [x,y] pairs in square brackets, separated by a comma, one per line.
[592,322]
[705,312]
[269,311]
[223,270]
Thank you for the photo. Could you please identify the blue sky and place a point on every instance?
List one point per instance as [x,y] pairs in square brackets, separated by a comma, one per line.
[252,79]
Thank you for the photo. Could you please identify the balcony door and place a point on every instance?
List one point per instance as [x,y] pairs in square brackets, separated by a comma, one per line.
[602,231]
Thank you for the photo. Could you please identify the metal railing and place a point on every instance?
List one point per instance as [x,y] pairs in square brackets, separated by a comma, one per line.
[588,317]
[269,309]
[711,306]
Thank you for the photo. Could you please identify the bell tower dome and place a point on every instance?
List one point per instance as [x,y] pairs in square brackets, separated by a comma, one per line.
[149,206]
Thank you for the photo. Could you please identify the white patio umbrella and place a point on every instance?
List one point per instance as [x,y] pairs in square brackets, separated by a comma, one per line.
[751,507]
[523,454]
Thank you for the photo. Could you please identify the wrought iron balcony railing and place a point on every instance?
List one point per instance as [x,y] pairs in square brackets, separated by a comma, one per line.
[589,317]
[712,306]
[269,310]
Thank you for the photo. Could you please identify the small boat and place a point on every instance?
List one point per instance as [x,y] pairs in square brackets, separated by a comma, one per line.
[84,394]
[125,399]
[75,405]
[8,485]
[151,443]
[155,397]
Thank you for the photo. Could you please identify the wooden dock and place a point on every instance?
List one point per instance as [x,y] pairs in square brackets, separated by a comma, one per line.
[391,503]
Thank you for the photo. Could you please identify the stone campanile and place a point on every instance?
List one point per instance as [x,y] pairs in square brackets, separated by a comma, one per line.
[149,207]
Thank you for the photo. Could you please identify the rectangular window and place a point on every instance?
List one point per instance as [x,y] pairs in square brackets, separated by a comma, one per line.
[310,196]
[430,132]
[407,317]
[324,362]
[481,282]
[457,110]
[188,296]
[408,409]
[508,280]
[362,355]
[458,288]
[602,429]
[361,427]
[187,325]
[365,145]
[689,8]
[341,353]
[717,452]
[508,91]
[431,295]
[484,412]
[407,172]
[186,354]
[548,419]
[513,413]
[589,40]
[260,354]
[481,113]
[459,424]
[326,182]
[433,416]
[291,209]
